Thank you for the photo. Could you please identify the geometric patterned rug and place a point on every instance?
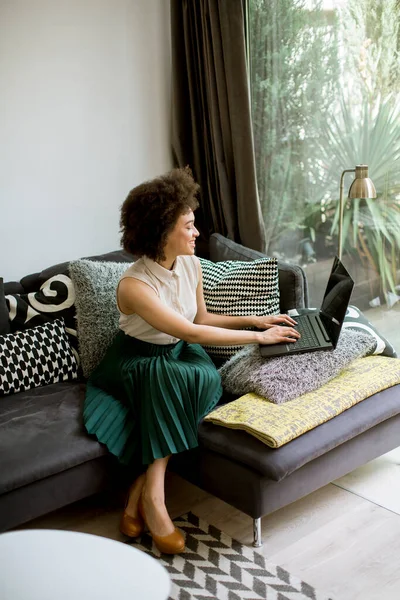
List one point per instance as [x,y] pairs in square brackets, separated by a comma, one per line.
[216,567]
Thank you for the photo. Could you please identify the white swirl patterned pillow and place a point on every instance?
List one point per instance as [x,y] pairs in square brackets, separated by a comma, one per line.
[355,319]
[54,300]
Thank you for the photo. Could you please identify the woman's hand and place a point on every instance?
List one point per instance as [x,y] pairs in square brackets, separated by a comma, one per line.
[272,321]
[277,334]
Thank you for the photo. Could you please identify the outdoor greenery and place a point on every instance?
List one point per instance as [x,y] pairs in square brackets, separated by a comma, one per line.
[366,129]
[371,32]
[326,95]
[370,135]
[294,75]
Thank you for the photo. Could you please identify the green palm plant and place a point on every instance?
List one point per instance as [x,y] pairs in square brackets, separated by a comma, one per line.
[369,135]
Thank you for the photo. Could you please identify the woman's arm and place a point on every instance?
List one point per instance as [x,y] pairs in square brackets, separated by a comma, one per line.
[134,296]
[205,318]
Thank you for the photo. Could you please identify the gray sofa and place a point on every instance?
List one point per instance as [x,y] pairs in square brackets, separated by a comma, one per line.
[48,461]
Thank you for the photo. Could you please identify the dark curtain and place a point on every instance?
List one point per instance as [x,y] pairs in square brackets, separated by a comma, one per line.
[211,120]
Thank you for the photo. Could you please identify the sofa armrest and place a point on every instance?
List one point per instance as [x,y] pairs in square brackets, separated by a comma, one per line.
[293,288]
[292,279]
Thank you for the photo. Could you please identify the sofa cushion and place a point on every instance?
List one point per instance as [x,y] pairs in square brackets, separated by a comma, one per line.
[113,256]
[42,433]
[278,463]
[276,425]
[96,308]
[4,320]
[36,357]
[239,288]
[293,291]
[221,249]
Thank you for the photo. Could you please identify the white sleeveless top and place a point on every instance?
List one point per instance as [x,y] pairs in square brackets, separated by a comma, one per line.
[175,288]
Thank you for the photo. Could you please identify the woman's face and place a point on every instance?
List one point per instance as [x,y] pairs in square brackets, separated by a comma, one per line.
[182,239]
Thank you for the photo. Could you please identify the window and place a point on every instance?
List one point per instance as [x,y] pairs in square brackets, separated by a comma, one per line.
[325,88]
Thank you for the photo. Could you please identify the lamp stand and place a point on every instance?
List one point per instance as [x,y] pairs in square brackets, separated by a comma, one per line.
[341,210]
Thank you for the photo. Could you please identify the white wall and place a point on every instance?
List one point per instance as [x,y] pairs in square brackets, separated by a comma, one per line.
[84,117]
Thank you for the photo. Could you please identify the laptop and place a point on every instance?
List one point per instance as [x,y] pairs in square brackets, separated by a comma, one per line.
[320,330]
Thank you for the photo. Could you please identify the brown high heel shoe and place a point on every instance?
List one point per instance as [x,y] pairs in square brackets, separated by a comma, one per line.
[131,526]
[173,543]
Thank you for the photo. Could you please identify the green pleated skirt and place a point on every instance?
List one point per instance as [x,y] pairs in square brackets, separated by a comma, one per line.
[145,401]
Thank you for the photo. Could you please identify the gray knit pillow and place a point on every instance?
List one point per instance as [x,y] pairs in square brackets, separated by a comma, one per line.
[96,308]
[286,377]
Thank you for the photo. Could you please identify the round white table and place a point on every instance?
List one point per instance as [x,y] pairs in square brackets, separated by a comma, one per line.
[41,564]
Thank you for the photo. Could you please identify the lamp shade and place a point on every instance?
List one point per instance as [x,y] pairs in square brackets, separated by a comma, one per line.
[362,186]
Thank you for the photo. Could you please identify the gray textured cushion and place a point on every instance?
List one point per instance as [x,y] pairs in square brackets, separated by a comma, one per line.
[284,378]
[96,308]
[293,289]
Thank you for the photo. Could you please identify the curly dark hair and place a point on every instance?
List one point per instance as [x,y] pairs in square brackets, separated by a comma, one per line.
[151,209]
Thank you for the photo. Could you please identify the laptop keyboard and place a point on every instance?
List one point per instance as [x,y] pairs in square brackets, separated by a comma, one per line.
[308,338]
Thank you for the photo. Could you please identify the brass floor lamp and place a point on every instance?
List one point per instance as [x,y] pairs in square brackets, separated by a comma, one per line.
[362,187]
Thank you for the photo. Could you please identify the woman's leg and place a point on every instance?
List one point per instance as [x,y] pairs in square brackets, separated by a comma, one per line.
[135,491]
[153,498]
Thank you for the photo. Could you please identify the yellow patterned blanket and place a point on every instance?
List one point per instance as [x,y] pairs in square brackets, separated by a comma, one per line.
[277,424]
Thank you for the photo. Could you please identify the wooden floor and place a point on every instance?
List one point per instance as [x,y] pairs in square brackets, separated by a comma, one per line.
[335,539]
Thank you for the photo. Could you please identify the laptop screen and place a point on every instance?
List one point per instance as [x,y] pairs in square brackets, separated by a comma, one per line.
[336,300]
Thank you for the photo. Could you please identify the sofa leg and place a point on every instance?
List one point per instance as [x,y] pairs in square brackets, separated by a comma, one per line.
[257,542]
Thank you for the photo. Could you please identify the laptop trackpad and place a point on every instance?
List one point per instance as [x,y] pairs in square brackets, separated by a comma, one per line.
[276,349]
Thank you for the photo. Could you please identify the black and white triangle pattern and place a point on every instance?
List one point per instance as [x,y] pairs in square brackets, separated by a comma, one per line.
[36,357]
[214,566]
[239,289]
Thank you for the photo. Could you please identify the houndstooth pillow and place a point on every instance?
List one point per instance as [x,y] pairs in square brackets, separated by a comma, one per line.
[36,357]
[240,288]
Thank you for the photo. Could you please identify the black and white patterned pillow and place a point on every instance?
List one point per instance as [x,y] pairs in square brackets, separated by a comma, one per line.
[238,289]
[36,357]
[355,319]
[4,320]
[54,300]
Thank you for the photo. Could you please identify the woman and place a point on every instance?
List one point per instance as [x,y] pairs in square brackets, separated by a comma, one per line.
[156,383]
